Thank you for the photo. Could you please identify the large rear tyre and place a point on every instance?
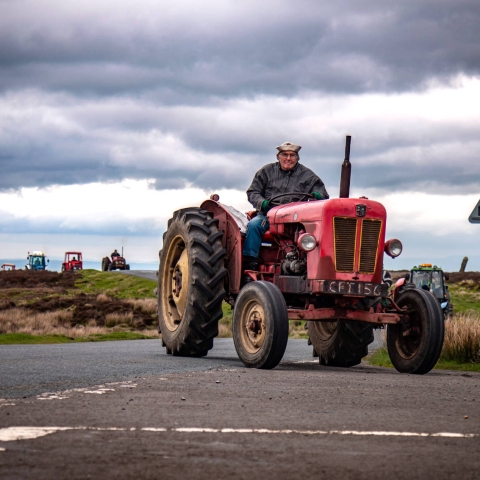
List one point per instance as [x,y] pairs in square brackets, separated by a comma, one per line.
[340,344]
[260,325]
[104,264]
[414,345]
[191,282]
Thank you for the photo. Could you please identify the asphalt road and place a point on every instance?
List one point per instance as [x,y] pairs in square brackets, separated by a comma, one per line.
[156,416]
[27,370]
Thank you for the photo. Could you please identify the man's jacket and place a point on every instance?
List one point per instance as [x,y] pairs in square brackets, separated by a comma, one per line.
[271,180]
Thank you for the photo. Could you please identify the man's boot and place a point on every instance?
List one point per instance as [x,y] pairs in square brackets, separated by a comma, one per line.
[248,263]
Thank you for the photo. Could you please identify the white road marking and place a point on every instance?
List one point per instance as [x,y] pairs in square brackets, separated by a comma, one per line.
[11,434]
[97,389]
[100,391]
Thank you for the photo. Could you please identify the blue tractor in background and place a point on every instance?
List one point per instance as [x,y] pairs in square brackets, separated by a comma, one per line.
[432,278]
[37,261]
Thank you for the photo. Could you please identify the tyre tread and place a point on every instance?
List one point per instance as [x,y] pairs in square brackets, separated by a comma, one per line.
[194,336]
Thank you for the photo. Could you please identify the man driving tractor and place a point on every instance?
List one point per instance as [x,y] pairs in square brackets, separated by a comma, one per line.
[272,180]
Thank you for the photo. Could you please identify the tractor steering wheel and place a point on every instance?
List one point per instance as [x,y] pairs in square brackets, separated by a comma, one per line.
[300,195]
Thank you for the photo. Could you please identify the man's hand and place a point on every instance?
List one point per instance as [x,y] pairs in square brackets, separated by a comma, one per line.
[318,196]
[265,206]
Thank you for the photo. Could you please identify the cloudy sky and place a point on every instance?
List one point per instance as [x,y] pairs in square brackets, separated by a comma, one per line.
[114,114]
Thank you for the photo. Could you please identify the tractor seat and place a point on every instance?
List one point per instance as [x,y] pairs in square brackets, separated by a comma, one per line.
[267,237]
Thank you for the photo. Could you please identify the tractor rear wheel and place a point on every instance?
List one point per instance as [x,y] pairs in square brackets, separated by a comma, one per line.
[414,345]
[191,282]
[260,325]
[340,344]
[104,264]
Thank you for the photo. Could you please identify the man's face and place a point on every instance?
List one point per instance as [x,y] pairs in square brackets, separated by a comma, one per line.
[287,160]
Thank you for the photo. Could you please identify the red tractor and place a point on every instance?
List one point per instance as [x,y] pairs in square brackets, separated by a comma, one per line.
[321,262]
[6,267]
[116,263]
[73,261]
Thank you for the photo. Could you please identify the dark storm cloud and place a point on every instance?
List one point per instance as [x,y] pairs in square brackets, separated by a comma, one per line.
[190,96]
[231,48]
[48,140]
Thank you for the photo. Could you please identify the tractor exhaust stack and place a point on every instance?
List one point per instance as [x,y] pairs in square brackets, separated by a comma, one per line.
[346,171]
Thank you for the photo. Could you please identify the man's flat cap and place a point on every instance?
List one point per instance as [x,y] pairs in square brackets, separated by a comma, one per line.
[288,147]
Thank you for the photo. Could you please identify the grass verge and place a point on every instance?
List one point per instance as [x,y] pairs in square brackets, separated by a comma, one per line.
[27,339]
[380,358]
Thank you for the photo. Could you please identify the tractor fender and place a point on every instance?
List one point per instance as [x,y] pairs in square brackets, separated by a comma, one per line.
[233,224]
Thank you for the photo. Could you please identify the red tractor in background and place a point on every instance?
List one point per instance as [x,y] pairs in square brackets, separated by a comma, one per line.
[321,262]
[117,262]
[73,261]
[7,267]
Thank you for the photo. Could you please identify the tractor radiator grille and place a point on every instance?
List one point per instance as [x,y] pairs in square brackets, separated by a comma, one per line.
[345,231]
[368,249]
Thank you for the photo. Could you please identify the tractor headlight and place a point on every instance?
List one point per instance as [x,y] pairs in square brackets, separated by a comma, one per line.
[307,242]
[393,247]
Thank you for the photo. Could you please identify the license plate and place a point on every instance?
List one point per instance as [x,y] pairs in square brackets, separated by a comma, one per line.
[342,287]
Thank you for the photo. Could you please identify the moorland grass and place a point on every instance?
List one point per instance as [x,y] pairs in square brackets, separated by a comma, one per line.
[114,283]
[465,297]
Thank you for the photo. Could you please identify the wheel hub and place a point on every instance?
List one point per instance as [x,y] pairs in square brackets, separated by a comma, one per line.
[253,330]
[177,282]
[180,271]
[255,325]
[174,283]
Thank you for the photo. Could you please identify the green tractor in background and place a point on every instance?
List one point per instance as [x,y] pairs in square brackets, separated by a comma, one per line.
[432,278]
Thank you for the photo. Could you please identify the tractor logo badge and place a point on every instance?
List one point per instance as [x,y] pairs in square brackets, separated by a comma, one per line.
[361,210]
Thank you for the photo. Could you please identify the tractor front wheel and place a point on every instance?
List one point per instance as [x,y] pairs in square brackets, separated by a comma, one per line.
[340,344]
[414,345]
[191,282]
[260,325]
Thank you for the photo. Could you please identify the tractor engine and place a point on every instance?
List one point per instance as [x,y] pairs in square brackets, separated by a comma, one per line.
[293,265]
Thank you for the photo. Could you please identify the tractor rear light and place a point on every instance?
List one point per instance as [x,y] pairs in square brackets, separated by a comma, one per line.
[393,247]
[307,242]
